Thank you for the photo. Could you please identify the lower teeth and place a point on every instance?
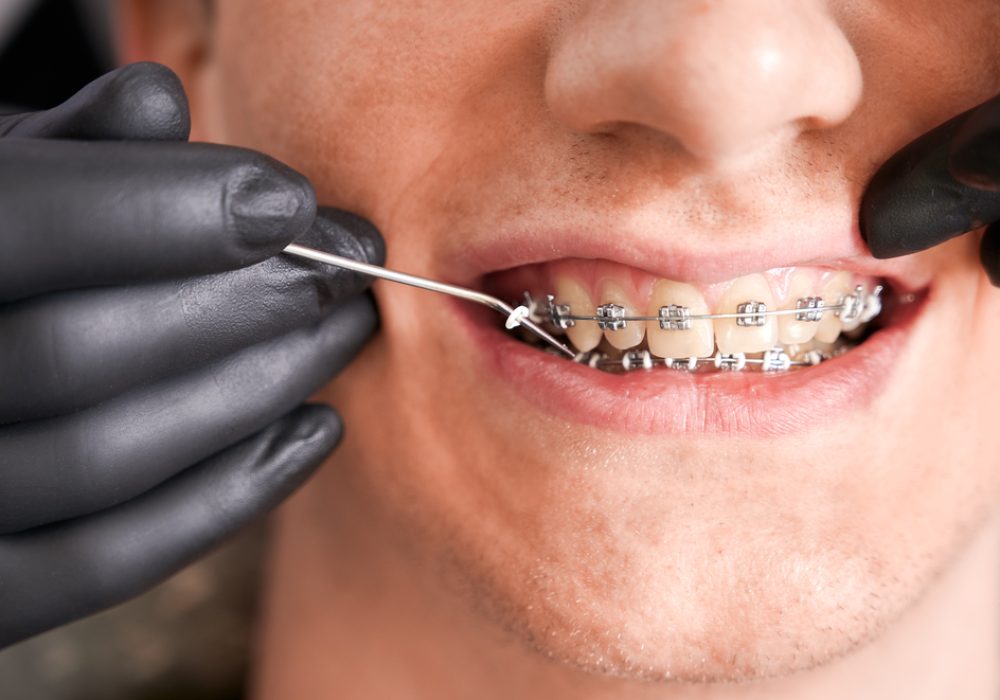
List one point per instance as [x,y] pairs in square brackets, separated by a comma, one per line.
[777,359]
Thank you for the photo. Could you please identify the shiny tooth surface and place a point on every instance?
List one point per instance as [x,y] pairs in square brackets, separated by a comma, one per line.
[798,349]
[584,335]
[697,341]
[835,288]
[731,337]
[791,331]
[634,331]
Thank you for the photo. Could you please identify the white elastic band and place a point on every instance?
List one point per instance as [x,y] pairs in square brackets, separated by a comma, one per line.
[514,320]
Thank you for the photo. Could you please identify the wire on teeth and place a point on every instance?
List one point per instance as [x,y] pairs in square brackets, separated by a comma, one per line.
[809,308]
[774,360]
[558,314]
[751,313]
[858,305]
[690,363]
[674,317]
[731,361]
[610,317]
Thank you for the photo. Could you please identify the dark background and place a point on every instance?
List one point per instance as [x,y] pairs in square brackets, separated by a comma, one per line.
[49,58]
[189,638]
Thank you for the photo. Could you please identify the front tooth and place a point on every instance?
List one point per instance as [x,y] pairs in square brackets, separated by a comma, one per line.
[790,331]
[732,337]
[834,290]
[696,341]
[585,335]
[633,332]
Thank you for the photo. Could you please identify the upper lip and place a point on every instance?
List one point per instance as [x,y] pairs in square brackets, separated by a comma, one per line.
[701,263]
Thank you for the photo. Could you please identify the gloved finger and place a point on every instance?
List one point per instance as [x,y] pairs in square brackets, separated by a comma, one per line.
[989,254]
[974,156]
[66,467]
[327,233]
[141,101]
[61,353]
[85,214]
[915,202]
[62,572]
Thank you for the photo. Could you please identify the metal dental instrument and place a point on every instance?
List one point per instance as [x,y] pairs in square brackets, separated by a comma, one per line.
[516,316]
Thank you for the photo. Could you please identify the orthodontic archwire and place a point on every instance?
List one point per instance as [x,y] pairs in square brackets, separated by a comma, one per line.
[516,315]
[859,305]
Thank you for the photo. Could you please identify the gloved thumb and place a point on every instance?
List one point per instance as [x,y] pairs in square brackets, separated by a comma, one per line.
[914,201]
[975,150]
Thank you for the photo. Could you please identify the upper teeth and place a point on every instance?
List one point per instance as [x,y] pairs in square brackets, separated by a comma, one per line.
[677,323]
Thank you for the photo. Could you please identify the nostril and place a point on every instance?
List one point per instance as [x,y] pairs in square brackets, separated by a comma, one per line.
[722,82]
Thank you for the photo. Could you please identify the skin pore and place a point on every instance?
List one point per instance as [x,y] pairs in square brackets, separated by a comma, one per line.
[464,541]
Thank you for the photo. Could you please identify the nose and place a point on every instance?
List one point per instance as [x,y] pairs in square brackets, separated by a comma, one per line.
[722,78]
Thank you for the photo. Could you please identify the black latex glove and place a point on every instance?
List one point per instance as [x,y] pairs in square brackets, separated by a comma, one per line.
[154,351]
[943,184]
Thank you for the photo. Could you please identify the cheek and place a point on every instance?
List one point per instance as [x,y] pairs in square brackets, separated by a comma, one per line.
[298,93]
[943,426]
[364,97]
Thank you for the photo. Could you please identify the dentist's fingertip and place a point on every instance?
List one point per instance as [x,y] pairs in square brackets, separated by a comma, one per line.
[363,240]
[269,203]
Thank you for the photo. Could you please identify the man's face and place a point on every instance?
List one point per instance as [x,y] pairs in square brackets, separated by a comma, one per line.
[653,524]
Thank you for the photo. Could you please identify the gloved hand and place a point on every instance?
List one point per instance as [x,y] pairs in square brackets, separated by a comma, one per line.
[154,353]
[944,184]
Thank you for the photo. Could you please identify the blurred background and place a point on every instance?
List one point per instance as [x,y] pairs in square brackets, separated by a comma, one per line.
[189,637]
[51,48]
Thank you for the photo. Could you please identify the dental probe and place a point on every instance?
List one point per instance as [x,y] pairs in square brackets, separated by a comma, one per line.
[516,316]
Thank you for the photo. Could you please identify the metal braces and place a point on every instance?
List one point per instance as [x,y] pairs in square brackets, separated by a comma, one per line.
[674,317]
[809,309]
[773,360]
[610,317]
[751,313]
[859,306]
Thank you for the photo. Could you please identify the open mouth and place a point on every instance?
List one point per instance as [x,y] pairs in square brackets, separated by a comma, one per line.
[620,319]
[783,370]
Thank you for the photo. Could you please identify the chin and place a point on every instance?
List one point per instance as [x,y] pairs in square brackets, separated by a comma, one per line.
[740,606]
[699,583]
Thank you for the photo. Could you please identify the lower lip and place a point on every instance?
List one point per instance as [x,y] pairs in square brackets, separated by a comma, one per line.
[663,401]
